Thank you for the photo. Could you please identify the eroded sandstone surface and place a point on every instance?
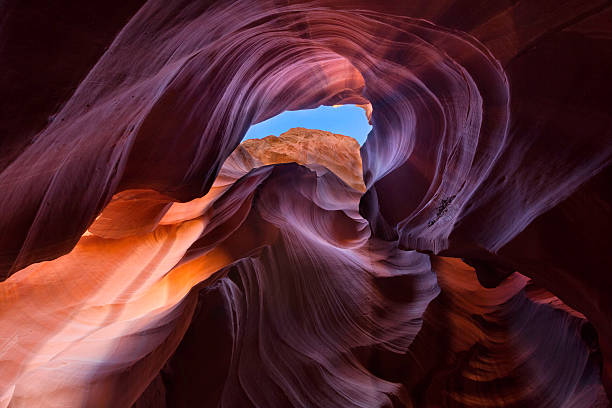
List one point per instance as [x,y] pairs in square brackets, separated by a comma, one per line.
[146,259]
[338,153]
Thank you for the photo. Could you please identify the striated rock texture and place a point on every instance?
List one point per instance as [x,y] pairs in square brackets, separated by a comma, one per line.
[144,264]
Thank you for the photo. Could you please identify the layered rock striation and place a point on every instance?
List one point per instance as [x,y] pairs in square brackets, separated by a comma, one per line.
[458,258]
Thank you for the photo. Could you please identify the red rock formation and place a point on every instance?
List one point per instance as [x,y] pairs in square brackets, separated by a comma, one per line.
[124,243]
[308,147]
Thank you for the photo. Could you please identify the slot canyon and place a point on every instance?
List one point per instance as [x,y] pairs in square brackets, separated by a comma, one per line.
[461,257]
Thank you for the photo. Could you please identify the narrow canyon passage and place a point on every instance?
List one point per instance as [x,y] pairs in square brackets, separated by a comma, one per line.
[152,256]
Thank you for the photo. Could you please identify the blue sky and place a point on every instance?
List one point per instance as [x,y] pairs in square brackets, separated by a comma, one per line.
[346,120]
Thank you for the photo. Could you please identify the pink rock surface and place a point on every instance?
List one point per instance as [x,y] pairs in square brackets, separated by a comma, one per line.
[143,263]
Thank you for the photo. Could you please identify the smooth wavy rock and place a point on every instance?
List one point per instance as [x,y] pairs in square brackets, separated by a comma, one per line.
[144,263]
[114,327]
[524,353]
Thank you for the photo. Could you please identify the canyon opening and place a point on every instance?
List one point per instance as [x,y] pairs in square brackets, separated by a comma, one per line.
[351,203]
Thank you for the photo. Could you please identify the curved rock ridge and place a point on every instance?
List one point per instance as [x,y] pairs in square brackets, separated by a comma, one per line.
[144,264]
[118,322]
[523,351]
[134,211]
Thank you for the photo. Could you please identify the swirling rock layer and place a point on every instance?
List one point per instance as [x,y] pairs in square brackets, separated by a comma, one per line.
[145,264]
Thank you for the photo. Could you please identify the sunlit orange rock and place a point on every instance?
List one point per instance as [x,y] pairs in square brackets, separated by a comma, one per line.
[141,263]
[338,153]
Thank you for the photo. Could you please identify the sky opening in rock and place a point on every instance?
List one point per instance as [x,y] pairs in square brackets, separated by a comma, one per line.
[348,120]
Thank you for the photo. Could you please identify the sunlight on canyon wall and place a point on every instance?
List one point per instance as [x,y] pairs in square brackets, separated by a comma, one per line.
[460,257]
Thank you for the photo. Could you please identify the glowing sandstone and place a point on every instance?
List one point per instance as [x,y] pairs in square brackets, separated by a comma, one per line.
[124,243]
[338,153]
